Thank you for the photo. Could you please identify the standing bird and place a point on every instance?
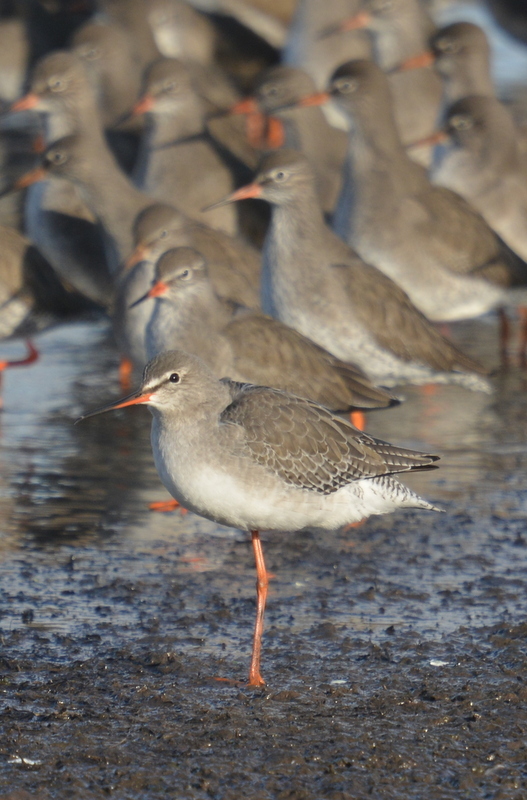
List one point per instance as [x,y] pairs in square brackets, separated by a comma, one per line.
[426,238]
[246,345]
[314,282]
[282,95]
[400,31]
[179,162]
[319,55]
[260,459]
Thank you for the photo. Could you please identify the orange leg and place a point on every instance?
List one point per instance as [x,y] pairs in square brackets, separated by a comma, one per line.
[262,584]
[167,505]
[22,362]
[358,418]
[125,374]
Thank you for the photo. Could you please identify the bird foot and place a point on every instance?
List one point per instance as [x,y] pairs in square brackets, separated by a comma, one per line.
[358,419]
[22,362]
[162,506]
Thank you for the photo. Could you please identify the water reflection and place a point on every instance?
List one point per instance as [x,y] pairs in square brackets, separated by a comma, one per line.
[84,560]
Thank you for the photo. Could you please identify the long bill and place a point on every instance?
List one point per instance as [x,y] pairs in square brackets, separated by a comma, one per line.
[355,23]
[25,103]
[245,193]
[438,137]
[131,400]
[316,99]
[29,178]
[157,290]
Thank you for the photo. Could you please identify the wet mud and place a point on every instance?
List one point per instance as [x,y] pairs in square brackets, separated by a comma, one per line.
[395,654]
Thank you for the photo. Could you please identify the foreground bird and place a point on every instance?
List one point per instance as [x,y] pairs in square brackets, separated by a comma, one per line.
[260,459]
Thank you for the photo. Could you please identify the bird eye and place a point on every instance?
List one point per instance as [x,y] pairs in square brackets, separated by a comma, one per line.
[57,85]
[185,275]
[281,175]
[347,85]
[461,122]
[270,91]
[447,46]
[57,158]
[163,234]
[170,86]
[174,378]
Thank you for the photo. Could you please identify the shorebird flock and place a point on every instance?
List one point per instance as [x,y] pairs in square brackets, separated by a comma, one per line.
[394,191]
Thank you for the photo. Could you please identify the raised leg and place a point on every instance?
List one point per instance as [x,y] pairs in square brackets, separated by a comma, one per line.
[32,356]
[358,418]
[166,505]
[262,583]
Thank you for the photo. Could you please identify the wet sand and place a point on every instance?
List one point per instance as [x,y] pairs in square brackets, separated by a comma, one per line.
[395,653]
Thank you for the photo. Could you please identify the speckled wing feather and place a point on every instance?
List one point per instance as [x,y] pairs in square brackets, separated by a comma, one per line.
[269,353]
[307,446]
[390,316]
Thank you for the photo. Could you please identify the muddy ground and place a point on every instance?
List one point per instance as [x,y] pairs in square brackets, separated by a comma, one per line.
[395,653]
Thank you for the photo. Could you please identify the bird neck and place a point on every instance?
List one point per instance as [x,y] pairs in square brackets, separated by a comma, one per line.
[113,199]
[169,129]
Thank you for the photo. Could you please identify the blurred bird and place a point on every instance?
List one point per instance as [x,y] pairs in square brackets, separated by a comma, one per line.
[400,31]
[179,162]
[246,345]
[280,94]
[314,282]
[426,238]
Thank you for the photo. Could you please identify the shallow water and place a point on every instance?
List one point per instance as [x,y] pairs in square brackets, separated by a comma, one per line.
[114,620]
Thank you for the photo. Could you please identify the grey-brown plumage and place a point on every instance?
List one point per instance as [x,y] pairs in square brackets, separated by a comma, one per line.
[182,32]
[462,54]
[233,264]
[248,345]
[314,282]
[278,92]
[482,160]
[112,198]
[109,57]
[56,219]
[428,239]
[179,163]
[320,56]
[260,459]
[400,30]
[307,446]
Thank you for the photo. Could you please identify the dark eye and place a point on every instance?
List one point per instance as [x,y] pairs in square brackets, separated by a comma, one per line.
[271,91]
[185,275]
[280,176]
[447,46]
[170,86]
[163,234]
[174,378]
[57,158]
[56,85]
[461,122]
[347,86]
